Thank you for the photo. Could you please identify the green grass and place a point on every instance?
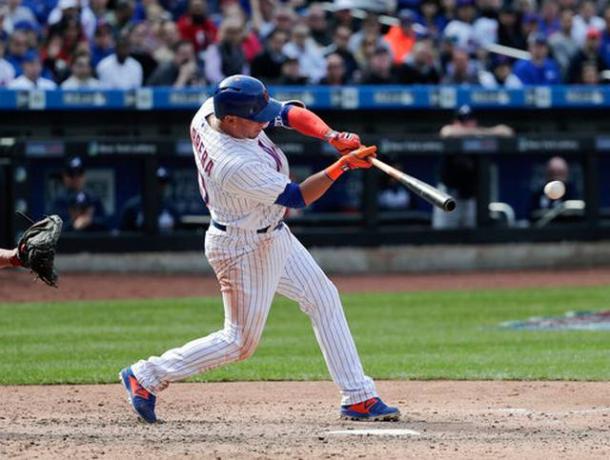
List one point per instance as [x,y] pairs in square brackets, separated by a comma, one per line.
[424,335]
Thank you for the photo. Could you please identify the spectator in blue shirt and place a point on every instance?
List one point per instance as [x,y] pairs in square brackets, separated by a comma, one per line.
[539,69]
[604,48]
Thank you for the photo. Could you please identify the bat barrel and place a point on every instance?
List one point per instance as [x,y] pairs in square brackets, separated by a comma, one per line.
[449,204]
[427,192]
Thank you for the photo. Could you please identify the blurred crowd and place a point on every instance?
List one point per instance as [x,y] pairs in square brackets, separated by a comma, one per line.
[127,44]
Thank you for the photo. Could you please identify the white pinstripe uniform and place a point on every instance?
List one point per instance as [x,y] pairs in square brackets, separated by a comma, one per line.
[239,180]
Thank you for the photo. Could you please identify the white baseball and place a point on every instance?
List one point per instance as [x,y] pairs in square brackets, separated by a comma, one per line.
[554,189]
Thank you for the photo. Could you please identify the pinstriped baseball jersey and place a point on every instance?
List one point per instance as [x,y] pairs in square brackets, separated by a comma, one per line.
[239,179]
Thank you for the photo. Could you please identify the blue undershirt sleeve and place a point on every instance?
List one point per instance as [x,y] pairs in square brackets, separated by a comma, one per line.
[284,115]
[291,197]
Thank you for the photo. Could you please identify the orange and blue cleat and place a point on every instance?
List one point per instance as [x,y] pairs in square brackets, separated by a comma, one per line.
[371,410]
[142,400]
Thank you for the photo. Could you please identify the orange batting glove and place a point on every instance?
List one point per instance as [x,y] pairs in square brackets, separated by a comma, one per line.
[344,142]
[357,159]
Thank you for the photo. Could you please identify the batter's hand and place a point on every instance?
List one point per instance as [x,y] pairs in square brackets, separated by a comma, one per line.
[344,142]
[360,158]
[356,159]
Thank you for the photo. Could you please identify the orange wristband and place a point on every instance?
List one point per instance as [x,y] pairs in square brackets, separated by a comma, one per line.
[335,170]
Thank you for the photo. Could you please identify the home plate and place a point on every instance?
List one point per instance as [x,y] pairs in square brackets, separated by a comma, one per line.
[378,432]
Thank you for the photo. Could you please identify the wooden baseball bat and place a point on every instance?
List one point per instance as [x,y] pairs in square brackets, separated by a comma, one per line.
[426,191]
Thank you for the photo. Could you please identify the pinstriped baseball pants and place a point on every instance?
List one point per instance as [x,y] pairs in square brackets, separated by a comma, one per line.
[251,268]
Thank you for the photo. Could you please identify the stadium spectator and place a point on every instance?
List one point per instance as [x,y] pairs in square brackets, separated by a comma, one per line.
[318,26]
[264,19]
[585,20]
[195,25]
[140,51]
[155,14]
[176,7]
[81,74]
[589,74]
[420,67]
[339,46]
[509,29]
[4,26]
[74,9]
[181,71]
[79,207]
[561,43]
[7,71]
[103,44]
[168,218]
[529,26]
[291,73]
[64,39]
[458,172]
[16,13]
[401,37]
[335,71]
[540,69]
[549,18]
[605,40]
[285,19]
[32,32]
[501,75]
[123,17]
[371,29]
[31,79]
[40,8]
[364,54]
[149,11]
[556,168]
[485,26]
[462,29]
[380,70]
[102,14]
[431,19]
[303,47]
[342,15]
[168,36]
[589,53]
[461,70]
[250,44]
[267,66]
[226,57]
[119,70]
[17,50]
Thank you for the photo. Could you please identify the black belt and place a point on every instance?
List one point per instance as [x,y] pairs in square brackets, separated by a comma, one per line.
[260,230]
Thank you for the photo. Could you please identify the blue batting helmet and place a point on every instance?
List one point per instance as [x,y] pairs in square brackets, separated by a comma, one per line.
[245,97]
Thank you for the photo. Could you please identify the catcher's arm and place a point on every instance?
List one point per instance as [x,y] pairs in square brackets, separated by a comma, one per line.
[303,120]
[9,258]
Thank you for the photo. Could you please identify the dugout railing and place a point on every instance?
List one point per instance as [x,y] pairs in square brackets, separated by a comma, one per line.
[503,170]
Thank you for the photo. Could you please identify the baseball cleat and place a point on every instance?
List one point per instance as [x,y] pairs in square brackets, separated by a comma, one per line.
[371,410]
[142,400]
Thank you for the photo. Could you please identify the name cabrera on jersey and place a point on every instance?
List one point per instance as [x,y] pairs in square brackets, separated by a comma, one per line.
[239,179]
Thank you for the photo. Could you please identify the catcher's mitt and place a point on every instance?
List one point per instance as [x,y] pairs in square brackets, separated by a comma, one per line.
[36,248]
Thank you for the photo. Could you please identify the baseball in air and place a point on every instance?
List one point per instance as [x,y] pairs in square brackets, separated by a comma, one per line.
[554,189]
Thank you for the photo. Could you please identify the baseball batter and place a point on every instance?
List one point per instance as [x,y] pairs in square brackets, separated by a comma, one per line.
[244,181]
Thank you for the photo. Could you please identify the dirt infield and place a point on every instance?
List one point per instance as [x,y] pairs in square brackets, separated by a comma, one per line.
[468,420]
[17,286]
[454,420]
